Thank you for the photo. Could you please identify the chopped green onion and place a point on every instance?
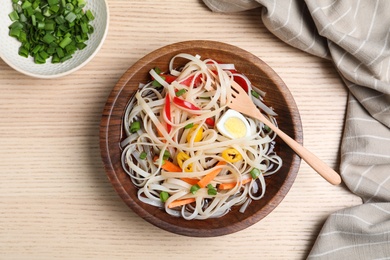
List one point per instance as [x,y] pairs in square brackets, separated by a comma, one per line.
[17,7]
[255,94]
[70,17]
[84,27]
[156,84]
[157,70]
[135,126]
[26,4]
[42,26]
[211,190]
[69,7]
[194,188]
[60,52]
[143,155]
[266,128]
[66,41]
[255,173]
[13,15]
[54,8]
[81,3]
[166,155]
[89,15]
[65,58]
[189,126]
[50,26]
[164,196]
[15,32]
[180,92]
[46,12]
[23,52]
[53,2]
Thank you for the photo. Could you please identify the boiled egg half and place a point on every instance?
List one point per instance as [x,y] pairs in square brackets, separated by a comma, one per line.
[233,124]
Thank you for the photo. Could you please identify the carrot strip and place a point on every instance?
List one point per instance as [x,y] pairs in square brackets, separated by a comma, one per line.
[210,176]
[170,167]
[231,185]
[177,203]
[190,180]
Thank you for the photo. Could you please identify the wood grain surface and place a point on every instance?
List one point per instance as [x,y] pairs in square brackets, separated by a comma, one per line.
[55,199]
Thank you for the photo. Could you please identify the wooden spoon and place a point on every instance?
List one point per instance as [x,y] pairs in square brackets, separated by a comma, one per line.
[241,102]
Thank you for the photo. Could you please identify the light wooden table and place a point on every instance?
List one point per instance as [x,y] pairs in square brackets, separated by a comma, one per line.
[55,199]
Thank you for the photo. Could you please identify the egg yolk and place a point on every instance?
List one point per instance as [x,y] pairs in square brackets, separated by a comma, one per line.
[235,127]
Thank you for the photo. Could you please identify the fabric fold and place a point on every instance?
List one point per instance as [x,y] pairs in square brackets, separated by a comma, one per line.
[355,35]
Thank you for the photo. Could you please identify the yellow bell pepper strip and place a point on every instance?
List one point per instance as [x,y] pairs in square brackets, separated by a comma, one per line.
[211,175]
[231,155]
[198,134]
[181,158]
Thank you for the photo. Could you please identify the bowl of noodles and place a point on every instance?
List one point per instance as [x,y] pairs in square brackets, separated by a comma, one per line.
[180,157]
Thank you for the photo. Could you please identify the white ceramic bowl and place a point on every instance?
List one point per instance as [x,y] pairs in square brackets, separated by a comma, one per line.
[10,46]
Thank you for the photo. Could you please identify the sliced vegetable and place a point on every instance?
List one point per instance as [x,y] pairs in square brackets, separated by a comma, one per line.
[210,121]
[211,190]
[166,155]
[194,188]
[255,173]
[190,181]
[189,126]
[135,126]
[180,92]
[187,82]
[211,175]
[255,94]
[231,185]
[167,111]
[181,158]
[185,104]
[170,167]
[242,82]
[143,155]
[181,202]
[231,155]
[164,196]
[198,134]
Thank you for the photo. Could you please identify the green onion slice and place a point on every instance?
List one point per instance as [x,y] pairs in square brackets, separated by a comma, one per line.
[135,126]
[164,196]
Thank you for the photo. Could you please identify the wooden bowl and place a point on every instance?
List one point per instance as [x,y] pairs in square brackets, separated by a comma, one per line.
[261,75]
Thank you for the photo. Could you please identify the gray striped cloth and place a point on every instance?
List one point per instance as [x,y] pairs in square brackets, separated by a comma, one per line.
[355,34]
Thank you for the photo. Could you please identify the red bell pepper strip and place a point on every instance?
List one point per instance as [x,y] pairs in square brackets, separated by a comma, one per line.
[242,82]
[185,104]
[197,81]
[168,78]
[167,111]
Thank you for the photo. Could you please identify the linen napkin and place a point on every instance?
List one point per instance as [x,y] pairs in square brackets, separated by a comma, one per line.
[355,35]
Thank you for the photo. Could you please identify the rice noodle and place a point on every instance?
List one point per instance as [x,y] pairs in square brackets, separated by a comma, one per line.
[211,96]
